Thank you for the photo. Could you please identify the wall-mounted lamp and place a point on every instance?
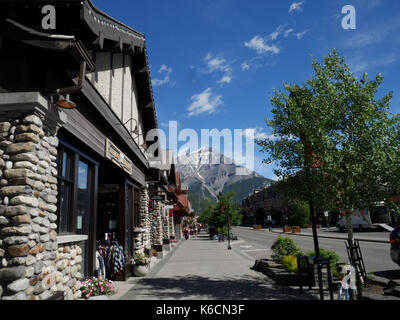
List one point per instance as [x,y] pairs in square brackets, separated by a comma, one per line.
[144,145]
[135,131]
[65,103]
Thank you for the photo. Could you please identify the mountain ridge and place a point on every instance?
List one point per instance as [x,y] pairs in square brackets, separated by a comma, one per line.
[207,173]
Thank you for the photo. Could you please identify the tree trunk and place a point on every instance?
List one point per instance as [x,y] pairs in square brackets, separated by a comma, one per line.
[350,235]
[349,226]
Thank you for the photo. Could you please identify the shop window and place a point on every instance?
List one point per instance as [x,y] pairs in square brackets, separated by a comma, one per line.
[83,199]
[75,189]
[65,186]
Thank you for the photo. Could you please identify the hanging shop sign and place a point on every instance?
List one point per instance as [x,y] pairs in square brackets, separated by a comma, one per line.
[118,157]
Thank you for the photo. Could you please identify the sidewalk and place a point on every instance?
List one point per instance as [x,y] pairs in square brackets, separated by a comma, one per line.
[204,269]
[381,237]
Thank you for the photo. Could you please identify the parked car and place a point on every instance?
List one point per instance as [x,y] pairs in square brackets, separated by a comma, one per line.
[395,245]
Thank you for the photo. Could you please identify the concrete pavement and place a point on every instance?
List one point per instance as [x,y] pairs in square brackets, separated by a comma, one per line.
[204,269]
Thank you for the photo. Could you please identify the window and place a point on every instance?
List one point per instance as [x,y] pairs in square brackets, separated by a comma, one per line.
[75,189]
[83,199]
[65,190]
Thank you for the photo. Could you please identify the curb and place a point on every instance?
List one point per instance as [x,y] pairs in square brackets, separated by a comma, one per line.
[332,237]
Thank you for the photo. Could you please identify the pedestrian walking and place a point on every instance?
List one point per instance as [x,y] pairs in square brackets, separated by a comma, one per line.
[186,234]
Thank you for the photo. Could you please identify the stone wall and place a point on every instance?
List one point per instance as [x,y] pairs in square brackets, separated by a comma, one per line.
[171,226]
[156,224]
[145,221]
[28,196]
[69,264]
[166,228]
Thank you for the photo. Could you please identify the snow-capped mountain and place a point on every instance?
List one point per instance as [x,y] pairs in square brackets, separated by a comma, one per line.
[207,173]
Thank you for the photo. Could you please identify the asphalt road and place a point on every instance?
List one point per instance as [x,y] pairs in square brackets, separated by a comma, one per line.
[257,244]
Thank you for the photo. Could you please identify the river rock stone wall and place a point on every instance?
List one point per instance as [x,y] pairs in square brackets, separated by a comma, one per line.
[171,226]
[156,224]
[145,221]
[68,275]
[166,228]
[28,205]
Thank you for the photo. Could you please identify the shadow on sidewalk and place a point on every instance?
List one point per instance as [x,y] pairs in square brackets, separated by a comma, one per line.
[199,287]
[389,274]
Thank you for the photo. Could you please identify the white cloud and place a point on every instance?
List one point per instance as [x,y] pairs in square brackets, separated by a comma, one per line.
[204,102]
[300,35]
[287,32]
[163,70]
[225,79]
[296,6]
[274,35]
[257,133]
[218,64]
[260,45]
[245,66]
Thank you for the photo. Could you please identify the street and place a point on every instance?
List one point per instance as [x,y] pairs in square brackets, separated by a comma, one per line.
[257,244]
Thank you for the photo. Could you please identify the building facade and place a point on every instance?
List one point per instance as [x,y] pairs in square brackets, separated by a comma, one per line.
[76,105]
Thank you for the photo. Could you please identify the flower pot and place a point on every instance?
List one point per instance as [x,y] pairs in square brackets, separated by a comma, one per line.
[287,229]
[140,271]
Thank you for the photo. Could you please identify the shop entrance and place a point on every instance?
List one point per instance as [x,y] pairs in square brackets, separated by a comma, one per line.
[117,211]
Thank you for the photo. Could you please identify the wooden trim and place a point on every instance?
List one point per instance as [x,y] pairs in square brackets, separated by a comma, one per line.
[111,79]
[74,207]
[123,87]
[122,225]
[75,150]
[93,218]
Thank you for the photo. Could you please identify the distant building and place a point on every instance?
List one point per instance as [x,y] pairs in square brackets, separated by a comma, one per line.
[267,199]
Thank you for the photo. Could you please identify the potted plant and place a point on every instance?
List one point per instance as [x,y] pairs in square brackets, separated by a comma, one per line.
[155,253]
[286,228]
[141,265]
[97,289]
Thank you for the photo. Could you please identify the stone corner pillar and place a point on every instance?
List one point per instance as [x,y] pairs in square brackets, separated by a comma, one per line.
[28,195]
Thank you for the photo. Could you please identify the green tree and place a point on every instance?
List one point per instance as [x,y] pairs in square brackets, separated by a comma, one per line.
[336,144]
[300,214]
[212,214]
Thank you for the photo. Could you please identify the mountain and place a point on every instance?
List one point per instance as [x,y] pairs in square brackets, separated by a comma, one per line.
[207,173]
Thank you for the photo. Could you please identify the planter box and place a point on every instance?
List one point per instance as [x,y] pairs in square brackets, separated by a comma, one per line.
[296,229]
[257,227]
[287,229]
[281,276]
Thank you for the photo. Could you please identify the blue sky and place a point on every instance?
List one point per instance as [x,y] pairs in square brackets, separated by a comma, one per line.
[215,63]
